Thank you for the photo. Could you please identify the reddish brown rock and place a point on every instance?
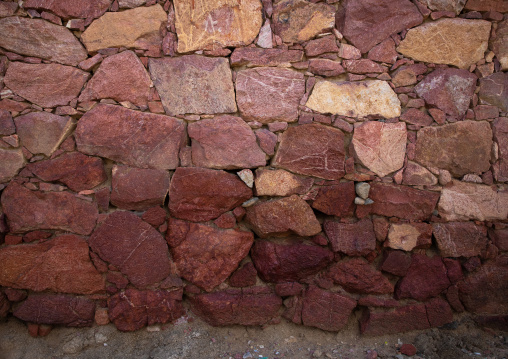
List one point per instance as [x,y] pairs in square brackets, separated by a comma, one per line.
[201,194]
[280,216]
[416,117]
[460,239]
[56,309]
[244,277]
[6,124]
[499,44]
[363,66]
[31,210]
[280,183]
[499,237]
[132,310]
[494,90]
[395,262]
[5,306]
[487,5]
[485,112]
[7,8]
[408,75]
[325,67]
[257,306]
[407,236]
[336,200]
[224,142]
[133,246]
[134,138]
[399,320]
[313,150]
[322,45]
[288,262]
[61,264]
[70,9]
[416,175]
[445,5]
[357,276]
[353,239]
[155,216]
[269,94]
[384,52]
[267,140]
[12,161]
[254,56]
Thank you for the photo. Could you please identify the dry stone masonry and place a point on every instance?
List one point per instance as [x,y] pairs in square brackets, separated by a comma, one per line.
[324,162]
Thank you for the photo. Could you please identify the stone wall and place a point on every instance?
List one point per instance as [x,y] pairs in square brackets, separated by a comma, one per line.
[252,162]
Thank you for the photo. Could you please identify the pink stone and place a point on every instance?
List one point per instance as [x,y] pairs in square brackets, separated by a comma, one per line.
[322,45]
[384,52]
[416,117]
[336,200]
[349,52]
[70,9]
[6,124]
[460,239]
[12,161]
[325,67]
[363,66]
[254,56]
[353,239]
[267,140]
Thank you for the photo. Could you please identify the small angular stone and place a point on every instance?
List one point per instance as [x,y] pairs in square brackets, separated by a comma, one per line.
[407,236]
[280,183]
[336,200]
[501,136]
[353,239]
[12,161]
[384,52]
[460,239]
[69,9]
[416,117]
[416,175]
[350,52]
[395,262]
[265,37]
[253,56]
[494,90]
[446,5]
[267,140]
[6,124]
[244,276]
[325,67]
[130,4]
[322,45]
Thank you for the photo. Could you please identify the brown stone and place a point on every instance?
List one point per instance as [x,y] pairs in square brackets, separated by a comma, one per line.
[499,44]
[12,161]
[31,210]
[446,5]
[136,28]
[395,262]
[299,20]
[244,276]
[224,142]
[336,200]
[280,183]
[416,117]
[133,246]
[494,90]
[280,216]
[217,23]
[75,170]
[325,67]
[7,8]
[40,38]
[485,112]
[175,80]
[134,138]
[407,236]
[71,9]
[269,94]
[289,261]
[61,264]
[267,140]
[322,45]
[384,52]
[487,5]
[416,175]
[255,56]
[312,150]
[399,320]
[460,239]
[353,239]
[47,85]
[366,23]
[501,137]
[6,124]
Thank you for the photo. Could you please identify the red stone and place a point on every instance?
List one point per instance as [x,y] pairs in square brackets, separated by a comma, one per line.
[494,90]
[408,75]
[201,194]
[487,5]
[244,276]
[254,56]
[6,124]
[371,301]
[288,289]
[154,216]
[501,137]
[15,295]
[485,112]
[399,320]
[460,239]
[499,237]
[416,117]
[5,306]
[384,52]
[395,262]
[267,140]
[226,220]
[363,66]
[438,312]
[337,200]
[353,239]
[7,8]
[321,45]
[326,67]
[408,349]
[70,8]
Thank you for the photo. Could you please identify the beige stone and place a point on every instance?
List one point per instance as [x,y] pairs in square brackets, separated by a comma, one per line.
[280,183]
[403,236]
[458,42]
[355,99]
[204,24]
[135,28]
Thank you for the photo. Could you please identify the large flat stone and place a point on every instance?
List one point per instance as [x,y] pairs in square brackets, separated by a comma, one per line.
[458,42]
[134,138]
[501,137]
[12,161]
[194,84]
[355,99]
[352,239]
[460,239]
[494,90]
[500,44]
[71,9]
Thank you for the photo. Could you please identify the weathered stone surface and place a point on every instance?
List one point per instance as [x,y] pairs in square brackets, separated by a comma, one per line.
[134,138]
[384,52]
[312,150]
[40,38]
[257,306]
[218,23]
[12,161]
[280,183]
[280,216]
[494,90]
[31,210]
[138,188]
[425,278]
[244,276]
[381,147]
[75,170]
[269,94]
[57,309]
[136,28]
[460,239]
[358,276]
[325,67]
[416,175]
[6,124]
[7,9]
[487,5]
[458,42]
[130,4]
[336,200]
[416,117]
[395,262]
[224,142]
[446,5]
[70,9]
[449,90]
[353,239]
[121,77]
[407,236]
[134,309]
[322,45]
[288,262]
[400,201]
[299,20]
[133,246]
[61,264]
[363,66]
[201,194]
[462,201]
[500,238]
[355,99]
[254,56]
[204,255]
[47,85]
[366,23]
[500,127]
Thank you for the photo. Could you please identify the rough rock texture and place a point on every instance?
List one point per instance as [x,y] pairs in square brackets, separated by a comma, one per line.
[280,183]
[407,236]
[269,94]
[487,5]
[12,161]
[61,264]
[312,149]
[133,246]
[225,142]
[254,56]
[366,23]
[500,44]
[246,276]
[395,262]
[501,137]
[460,239]
[204,255]
[40,38]
[336,200]
[69,9]
[46,85]
[136,28]
[446,5]
[32,210]
[280,216]
[355,99]
[175,80]
[217,23]
[288,262]
[353,239]
[458,42]
[494,90]
[6,124]
[381,147]
[416,175]
[133,138]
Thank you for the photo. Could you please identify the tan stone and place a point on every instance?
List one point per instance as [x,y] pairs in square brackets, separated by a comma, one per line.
[136,28]
[407,236]
[203,24]
[358,99]
[280,183]
[458,42]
